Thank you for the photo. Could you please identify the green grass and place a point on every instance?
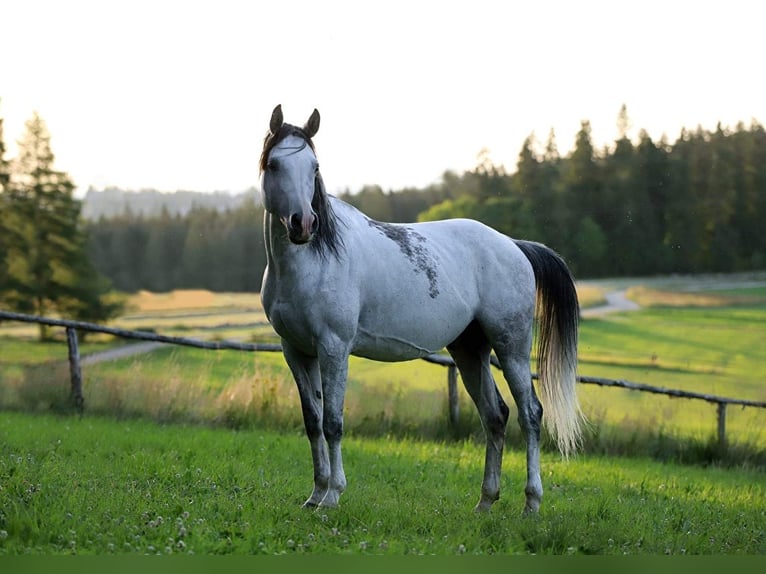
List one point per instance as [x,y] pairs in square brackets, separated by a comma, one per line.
[750,292]
[716,351]
[15,352]
[97,486]
[35,375]
[709,350]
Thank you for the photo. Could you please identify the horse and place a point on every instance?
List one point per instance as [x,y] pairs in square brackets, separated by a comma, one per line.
[338,283]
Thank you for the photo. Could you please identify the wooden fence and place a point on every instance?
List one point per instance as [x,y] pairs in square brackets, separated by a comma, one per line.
[75,368]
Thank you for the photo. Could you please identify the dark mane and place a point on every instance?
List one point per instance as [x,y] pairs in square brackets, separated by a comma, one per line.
[327,240]
[272,140]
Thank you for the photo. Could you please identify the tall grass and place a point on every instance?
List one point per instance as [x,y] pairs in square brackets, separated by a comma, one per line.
[240,391]
[226,388]
[714,350]
[650,297]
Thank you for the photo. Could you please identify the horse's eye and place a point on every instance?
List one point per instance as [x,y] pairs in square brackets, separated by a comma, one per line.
[272,165]
[316,169]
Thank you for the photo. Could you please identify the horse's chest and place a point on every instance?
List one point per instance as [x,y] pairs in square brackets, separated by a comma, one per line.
[291,323]
[301,312]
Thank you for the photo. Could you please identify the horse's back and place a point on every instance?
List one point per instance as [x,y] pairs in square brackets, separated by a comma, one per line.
[420,285]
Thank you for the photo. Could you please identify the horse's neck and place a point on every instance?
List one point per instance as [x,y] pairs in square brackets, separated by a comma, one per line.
[274,236]
[282,257]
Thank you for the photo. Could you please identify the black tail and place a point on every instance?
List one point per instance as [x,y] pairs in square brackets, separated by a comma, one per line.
[558,315]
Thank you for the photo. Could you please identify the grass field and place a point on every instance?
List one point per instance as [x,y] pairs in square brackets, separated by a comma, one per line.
[139,474]
[96,486]
[715,349]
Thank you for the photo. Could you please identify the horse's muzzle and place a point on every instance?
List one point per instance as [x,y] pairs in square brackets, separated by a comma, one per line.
[301,227]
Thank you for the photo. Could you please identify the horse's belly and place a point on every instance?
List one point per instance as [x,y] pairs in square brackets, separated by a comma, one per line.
[388,348]
[406,337]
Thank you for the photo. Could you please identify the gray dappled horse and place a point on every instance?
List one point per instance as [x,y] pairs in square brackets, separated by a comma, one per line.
[338,283]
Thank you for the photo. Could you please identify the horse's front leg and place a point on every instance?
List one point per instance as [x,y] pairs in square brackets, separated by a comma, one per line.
[305,370]
[333,364]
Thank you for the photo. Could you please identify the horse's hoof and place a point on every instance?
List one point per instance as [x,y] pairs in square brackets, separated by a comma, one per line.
[531,509]
[313,502]
[483,507]
[330,500]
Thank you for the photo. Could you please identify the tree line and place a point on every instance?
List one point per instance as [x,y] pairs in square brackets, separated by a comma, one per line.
[204,249]
[636,207]
[112,202]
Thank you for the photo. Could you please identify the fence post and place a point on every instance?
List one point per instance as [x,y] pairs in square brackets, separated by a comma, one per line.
[454,405]
[721,407]
[75,372]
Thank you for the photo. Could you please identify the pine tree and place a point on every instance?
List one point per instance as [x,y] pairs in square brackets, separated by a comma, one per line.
[581,192]
[529,185]
[4,210]
[751,198]
[47,267]
[5,173]
[164,250]
[554,224]
[652,180]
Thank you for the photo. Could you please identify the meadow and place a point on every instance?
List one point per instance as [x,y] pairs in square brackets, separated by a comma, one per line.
[708,341]
[99,486]
[190,451]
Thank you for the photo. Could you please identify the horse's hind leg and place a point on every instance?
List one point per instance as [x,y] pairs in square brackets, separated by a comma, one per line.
[306,373]
[471,354]
[515,365]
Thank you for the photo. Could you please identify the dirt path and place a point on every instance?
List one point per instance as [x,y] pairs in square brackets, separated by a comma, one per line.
[121,352]
[615,301]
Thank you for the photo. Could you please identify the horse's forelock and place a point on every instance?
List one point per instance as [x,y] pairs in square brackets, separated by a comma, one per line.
[272,140]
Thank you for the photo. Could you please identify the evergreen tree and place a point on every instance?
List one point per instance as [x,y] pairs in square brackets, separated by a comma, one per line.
[527,179]
[627,217]
[493,181]
[47,267]
[5,172]
[201,262]
[750,159]
[581,192]
[721,238]
[4,209]
[554,219]
[164,250]
[651,175]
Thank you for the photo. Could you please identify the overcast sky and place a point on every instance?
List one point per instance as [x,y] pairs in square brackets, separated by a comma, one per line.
[178,94]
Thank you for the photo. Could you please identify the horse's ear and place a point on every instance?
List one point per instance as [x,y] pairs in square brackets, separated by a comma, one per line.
[276,119]
[312,126]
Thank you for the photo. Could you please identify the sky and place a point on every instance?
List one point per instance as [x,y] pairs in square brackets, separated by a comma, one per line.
[172,95]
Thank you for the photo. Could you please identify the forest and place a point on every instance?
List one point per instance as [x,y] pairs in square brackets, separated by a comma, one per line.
[639,207]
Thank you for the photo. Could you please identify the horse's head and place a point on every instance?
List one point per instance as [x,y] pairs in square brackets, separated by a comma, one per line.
[290,180]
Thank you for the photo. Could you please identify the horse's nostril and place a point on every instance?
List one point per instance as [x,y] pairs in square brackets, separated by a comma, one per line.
[314,224]
[295,221]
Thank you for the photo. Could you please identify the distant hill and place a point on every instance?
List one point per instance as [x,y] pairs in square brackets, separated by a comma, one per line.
[112,202]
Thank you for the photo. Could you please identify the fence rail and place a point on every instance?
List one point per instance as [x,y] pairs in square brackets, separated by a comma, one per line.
[75,368]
